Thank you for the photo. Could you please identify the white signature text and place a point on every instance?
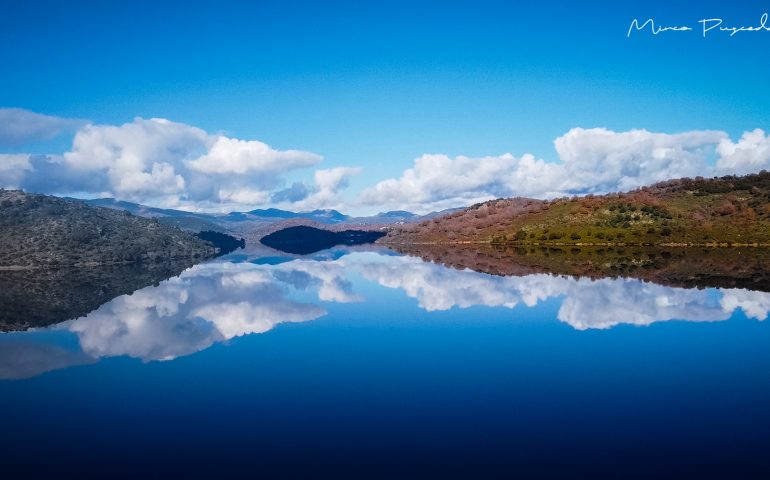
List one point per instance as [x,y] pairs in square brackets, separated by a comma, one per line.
[707,25]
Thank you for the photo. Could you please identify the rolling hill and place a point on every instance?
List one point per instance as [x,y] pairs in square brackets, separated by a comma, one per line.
[304,239]
[39,230]
[726,211]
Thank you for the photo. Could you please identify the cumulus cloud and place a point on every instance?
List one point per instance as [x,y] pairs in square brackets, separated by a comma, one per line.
[168,164]
[20,127]
[438,181]
[599,160]
[233,156]
[594,160]
[326,191]
[13,168]
[161,163]
[750,154]
[169,161]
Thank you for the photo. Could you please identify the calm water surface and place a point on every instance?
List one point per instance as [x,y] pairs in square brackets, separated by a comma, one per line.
[364,362]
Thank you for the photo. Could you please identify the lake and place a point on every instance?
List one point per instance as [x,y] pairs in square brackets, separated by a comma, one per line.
[366,361]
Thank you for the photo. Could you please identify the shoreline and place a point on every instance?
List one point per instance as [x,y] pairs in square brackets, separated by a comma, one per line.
[591,244]
[19,268]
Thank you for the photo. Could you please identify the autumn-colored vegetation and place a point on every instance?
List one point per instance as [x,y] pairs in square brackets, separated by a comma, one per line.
[724,211]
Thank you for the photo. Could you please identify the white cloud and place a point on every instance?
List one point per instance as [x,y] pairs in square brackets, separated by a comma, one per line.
[326,191]
[19,126]
[600,160]
[243,196]
[590,161]
[750,154]
[233,156]
[13,168]
[160,163]
[168,164]
[437,178]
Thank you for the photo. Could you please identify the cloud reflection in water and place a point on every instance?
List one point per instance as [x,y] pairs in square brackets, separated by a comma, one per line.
[218,301]
[586,303]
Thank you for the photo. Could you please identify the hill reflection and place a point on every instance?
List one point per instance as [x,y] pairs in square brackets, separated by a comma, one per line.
[41,297]
[218,301]
[679,267]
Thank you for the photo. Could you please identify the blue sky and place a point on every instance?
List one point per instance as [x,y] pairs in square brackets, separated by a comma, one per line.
[374,86]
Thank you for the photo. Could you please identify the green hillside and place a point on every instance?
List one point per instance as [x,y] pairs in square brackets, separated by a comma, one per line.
[726,211]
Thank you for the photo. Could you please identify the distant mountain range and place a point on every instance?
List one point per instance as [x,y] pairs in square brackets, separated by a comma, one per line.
[321,216]
[256,223]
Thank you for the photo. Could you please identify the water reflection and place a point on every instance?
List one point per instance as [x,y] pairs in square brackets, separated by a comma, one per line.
[235,296]
[24,359]
[42,297]
[209,303]
[585,303]
[675,267]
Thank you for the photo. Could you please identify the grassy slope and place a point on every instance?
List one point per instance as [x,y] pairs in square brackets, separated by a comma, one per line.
[38,230]
[723,211]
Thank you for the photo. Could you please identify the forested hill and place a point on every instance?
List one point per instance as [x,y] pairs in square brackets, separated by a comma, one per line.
[719,211]
[302,240]
[39,230]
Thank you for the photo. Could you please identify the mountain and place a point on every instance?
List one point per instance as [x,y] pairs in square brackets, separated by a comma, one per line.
[400,214]
[190,221]
[273,213]
[441,213]
[39,230]
[141,210]
[321,216]
[259,220]
[325,216]
[384,218]
[254,224]
[397,217]
[266,215]
[726,211]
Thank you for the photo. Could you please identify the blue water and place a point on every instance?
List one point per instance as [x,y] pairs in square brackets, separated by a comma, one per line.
[365,363]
